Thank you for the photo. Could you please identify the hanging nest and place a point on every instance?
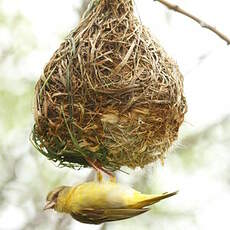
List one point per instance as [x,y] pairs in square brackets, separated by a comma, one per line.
[110,93]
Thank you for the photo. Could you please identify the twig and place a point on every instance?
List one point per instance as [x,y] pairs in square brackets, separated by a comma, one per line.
[203,24]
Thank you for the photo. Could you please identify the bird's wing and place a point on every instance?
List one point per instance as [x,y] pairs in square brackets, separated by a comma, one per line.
[98,216]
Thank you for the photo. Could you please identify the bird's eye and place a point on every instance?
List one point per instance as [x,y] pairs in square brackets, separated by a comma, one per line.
[55,195]
[52,196]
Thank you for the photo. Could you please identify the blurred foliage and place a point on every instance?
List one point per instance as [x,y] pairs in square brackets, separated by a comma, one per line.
[16,41]
[197,147]
[15,103]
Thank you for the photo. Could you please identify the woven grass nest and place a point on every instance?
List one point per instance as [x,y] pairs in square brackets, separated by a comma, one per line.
[109,93]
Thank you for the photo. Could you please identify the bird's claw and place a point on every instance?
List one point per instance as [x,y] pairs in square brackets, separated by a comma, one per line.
[96,165]
[99,176]
[113,179]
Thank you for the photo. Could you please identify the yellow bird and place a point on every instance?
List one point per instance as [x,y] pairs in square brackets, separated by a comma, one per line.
[99,202]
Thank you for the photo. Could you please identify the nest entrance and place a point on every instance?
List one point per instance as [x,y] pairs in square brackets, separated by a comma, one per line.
[110,93]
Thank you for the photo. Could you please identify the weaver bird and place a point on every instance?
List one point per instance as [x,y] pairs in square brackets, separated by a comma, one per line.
[99,202]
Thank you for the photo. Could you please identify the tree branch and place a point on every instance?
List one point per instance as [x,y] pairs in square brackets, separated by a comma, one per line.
[203,24]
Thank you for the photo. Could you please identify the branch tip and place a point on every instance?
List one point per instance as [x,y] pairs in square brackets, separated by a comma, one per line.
[203,24]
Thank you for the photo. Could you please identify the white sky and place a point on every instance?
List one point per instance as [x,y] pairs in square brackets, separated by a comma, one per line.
[206,84]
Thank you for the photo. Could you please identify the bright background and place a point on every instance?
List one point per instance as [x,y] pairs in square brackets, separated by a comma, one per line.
[30,31]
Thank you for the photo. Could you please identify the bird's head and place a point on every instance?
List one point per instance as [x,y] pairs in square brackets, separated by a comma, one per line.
[53,197]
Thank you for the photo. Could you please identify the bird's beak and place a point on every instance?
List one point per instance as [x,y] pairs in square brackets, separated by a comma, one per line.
[49,205]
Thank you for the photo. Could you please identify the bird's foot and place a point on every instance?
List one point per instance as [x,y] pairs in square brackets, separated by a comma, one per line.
[99,176]
[98,167]
[113,179]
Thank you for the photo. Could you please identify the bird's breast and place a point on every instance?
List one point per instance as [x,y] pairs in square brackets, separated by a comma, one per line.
[100,195]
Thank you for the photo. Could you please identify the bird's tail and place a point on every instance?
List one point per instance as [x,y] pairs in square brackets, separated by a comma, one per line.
[147,200]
